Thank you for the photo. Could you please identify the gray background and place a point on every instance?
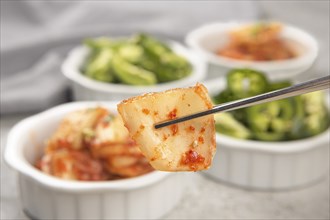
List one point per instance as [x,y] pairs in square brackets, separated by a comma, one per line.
[35,37]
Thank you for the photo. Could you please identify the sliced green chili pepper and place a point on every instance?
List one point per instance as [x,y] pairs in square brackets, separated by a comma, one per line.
[314,102]
[289,119]
[240,115]
[245,82]
[316,117]
[316,123]
[225,123]
[269,120]
[298,119]
[280,85]
[224,96]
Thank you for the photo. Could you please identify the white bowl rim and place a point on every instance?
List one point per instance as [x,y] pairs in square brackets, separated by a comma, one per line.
[72,72]
[278,147]
[191,40]
[15,159]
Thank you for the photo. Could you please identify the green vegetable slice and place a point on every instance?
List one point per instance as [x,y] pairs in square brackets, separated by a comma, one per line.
[170,66]
[153,46]
[269,120]
[280,85]
[131,74]
[266,136]
[173,67]
[298,119]
[316,116]
[225,123]
[245,82]
[224,96]
[289,119]
[99,67]
[143,54]
[131,53]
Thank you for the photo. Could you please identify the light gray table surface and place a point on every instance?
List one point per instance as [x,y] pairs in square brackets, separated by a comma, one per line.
[203,198]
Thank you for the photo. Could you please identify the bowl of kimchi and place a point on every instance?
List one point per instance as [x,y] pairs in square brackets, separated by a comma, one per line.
[282,51]
[76,161]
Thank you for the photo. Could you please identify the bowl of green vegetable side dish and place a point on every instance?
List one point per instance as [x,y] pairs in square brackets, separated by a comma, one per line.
[114,69]
[277,145]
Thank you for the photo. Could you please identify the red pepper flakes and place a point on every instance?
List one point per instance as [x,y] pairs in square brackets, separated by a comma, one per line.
[165,137]
[172,114]
[153,159]
[146,111]
[174,129]
[192,159]
[201,139]
[191,128]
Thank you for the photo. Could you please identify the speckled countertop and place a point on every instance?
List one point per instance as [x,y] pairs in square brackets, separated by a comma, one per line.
[203,198]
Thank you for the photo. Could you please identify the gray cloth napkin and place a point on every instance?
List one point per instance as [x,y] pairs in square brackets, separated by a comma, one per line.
[36,36]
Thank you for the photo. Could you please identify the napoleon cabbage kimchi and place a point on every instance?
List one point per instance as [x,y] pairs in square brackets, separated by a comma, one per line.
[92,145]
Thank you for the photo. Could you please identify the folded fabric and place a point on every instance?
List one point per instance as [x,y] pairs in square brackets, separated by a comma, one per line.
[35,37]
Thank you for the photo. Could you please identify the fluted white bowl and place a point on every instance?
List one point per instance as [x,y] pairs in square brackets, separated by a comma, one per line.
[148,196]
[270,165]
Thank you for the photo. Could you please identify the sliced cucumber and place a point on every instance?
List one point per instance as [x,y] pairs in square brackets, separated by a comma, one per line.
[131,74]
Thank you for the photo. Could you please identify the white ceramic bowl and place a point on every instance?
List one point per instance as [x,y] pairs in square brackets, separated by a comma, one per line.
[208,38]
[149,196]
[85,88]
[271,166]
